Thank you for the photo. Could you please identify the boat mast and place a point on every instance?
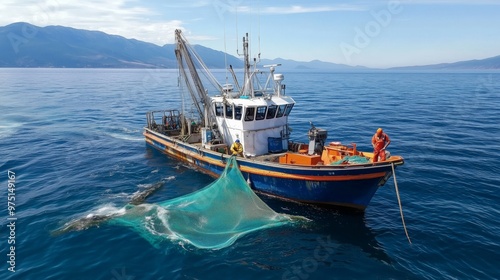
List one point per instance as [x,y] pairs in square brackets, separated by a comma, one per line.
[183,56]
[194,84]
[247,83]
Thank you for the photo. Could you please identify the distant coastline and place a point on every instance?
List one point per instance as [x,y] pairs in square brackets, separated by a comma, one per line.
[23,45]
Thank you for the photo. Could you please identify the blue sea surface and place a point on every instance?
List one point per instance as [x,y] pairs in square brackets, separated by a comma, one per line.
[71,139]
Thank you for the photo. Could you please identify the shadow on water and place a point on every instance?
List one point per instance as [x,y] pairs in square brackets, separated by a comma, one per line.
[341,225]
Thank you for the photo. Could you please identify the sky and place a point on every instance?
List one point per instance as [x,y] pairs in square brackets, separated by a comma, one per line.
[370,33]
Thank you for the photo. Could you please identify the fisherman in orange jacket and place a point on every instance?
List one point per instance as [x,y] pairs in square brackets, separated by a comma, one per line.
[380,141]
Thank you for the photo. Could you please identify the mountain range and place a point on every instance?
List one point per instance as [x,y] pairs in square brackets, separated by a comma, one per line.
[26,45]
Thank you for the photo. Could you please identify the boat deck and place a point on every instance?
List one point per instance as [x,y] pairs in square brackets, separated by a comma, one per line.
[332,153]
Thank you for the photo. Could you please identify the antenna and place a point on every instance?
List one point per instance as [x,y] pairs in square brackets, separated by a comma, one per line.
[258,27]
[225,50]
[237,37]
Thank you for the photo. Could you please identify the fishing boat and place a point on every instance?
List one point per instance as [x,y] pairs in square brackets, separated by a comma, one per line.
[256,114]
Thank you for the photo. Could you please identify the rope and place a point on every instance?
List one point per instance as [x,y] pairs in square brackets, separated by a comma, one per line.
[399,201]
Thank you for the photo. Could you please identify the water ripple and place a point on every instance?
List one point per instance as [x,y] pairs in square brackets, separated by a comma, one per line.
[79,148]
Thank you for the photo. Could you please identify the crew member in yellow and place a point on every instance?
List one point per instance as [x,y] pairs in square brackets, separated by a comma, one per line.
[237,148]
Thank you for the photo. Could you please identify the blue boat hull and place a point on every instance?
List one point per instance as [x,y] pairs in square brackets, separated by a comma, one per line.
[346,186]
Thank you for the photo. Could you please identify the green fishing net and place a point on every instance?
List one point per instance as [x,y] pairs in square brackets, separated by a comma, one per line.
[351,160]
[212,218]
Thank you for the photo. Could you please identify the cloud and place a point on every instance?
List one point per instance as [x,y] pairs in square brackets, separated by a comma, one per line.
[296,9]
[121,17]
[451,2]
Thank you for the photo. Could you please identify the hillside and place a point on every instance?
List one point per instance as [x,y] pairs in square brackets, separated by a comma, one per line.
[314,64]
[476,64]
[26,45]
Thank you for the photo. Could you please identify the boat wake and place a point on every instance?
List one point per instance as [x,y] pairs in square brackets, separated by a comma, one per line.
[211,218]
[6,130]
[126,137]
[124,133]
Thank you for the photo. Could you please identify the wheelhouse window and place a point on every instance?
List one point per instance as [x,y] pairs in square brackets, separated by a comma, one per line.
[229,111]
[238,110]
[288,109]
[281,111]
[261,113]
[219,110]
[271,111]
[249,113]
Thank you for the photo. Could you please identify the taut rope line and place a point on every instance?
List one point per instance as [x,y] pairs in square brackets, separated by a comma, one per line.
[399,201]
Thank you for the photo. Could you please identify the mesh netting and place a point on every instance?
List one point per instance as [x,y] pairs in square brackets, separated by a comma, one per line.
[213,217]
[351,160]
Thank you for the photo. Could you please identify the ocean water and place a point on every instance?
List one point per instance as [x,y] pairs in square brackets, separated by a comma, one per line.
[71,142]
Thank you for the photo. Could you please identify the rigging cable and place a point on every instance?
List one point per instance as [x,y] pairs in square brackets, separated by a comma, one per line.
[205,71]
